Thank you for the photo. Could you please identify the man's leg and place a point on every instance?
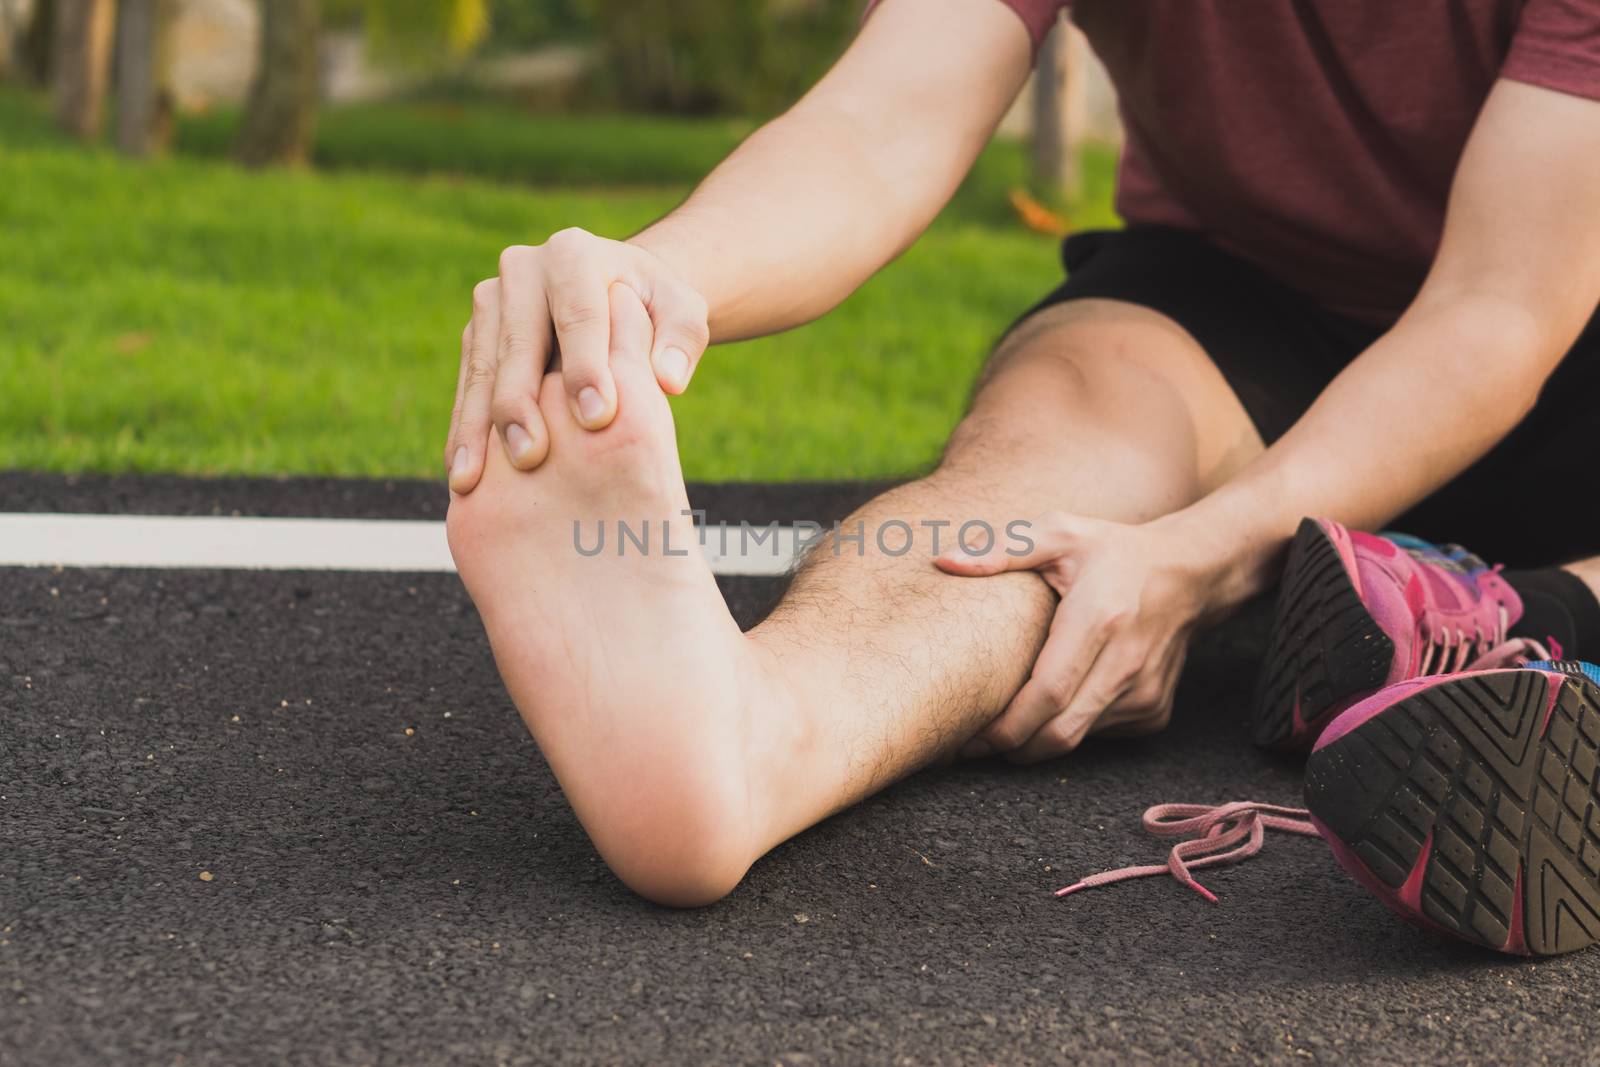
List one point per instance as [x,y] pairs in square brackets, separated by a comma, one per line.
[688,749]
[1093,407]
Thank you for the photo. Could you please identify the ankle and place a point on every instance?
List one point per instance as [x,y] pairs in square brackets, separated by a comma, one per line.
[1560,603]
[1588,572]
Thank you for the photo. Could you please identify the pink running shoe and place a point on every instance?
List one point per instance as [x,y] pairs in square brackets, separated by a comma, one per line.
[1467,803]
[1358,612]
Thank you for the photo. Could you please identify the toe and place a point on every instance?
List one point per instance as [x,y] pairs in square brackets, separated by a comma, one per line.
[644,418]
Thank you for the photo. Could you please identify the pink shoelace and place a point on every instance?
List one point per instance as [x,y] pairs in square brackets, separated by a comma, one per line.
[1215,834]
[1227,833]
[1451,650]
[1446,656]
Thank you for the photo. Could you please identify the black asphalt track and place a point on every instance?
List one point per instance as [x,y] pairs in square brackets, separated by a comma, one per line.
[292,818]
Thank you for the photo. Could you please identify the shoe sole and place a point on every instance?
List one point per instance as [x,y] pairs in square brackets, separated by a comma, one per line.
[1326,649]
[1469,807]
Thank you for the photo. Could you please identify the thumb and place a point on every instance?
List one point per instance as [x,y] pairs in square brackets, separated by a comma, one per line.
[1020,546]
[681,334]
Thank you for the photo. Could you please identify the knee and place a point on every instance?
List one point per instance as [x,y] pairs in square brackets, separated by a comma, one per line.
[972,437]
[1026,394]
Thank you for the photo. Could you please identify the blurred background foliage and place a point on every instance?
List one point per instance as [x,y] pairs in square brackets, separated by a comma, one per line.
[710,56]
[519,24]
[418,33]
[703,57]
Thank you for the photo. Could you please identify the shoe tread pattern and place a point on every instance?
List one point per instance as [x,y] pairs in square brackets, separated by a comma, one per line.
[1470,765]
[1325,645]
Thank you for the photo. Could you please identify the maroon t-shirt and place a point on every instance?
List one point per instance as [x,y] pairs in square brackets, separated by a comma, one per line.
[1317,138]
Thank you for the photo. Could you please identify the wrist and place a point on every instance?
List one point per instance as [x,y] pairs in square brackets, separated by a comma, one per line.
[662,242]
[1235,549]
[658,244]
[659,248]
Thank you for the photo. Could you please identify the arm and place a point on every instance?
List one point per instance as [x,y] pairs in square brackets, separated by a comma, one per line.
[789,225]
[1516,277]
[819,199]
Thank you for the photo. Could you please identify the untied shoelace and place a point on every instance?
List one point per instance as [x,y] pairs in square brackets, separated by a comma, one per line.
[1227,833]
[1214,834]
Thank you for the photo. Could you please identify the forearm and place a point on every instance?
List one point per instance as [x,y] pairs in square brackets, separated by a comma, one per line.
[787,226]
[816,201]
[1516,277]
[1430,397]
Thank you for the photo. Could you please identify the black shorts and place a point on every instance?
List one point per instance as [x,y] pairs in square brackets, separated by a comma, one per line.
[1522,504]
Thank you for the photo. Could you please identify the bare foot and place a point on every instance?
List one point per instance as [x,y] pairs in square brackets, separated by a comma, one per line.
[666,727]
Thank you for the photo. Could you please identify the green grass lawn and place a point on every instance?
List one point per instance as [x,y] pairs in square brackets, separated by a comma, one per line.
[188,316]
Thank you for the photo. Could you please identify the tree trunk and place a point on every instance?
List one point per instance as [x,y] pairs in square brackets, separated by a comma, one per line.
[281,113]
[36,43]
[80,62]
[11,31]
[144,98]
[1059,112]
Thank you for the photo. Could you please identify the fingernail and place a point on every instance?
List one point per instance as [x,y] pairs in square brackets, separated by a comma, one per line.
[977,748]
[674,364]
[458,466]
[519,444]
[591,405]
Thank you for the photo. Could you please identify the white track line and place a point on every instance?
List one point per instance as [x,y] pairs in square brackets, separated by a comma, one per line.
[29,540]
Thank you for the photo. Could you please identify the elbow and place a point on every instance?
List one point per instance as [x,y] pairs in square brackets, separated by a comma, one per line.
[1508,345]
[1516,341]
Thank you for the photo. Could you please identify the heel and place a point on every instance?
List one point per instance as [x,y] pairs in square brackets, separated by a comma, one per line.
[1326,648]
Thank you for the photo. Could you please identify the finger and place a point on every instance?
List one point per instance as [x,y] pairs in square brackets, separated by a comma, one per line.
[630,326]
[576,291]
[1021,546]
[1069,653]
[523,351]
[1105,683]
[678,314]
[472,432]
[1146,705]
[450,448]
[1153,716]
